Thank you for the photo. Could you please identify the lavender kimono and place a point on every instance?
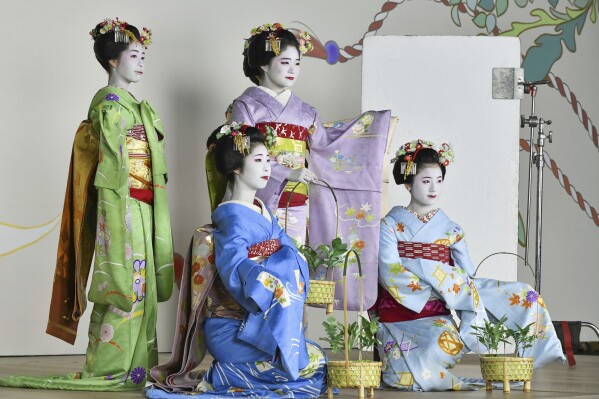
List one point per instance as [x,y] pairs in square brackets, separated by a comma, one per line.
[348,156]
[417,354]
[255,333]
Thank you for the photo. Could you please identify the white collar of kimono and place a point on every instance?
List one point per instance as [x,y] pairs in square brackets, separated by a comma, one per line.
[283,98]
[260,209]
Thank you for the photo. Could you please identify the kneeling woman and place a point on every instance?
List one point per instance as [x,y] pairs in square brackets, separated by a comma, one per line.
[255,305]
[425,271]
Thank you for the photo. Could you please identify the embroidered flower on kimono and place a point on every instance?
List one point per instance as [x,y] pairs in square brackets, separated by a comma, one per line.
[426,374]
[288,159]
[109,377]
[350,211]
[456,288]
[514,299]
[106,332]
[198,279]
[138,375]
[442,374]
[102,236]
[400,227]
[358,129]
[531,296]
[102,286]
[203,249]
[360,214]
[139,281]
[360,244]
[389,346]
[396,353]
[112,97]
[128,218]
[415,286]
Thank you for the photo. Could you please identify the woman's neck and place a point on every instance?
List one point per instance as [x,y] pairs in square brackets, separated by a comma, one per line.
[243,195]
[113,80]
[420,209]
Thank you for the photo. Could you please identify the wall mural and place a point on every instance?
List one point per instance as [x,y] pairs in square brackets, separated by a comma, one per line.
[567,23]
[566,18]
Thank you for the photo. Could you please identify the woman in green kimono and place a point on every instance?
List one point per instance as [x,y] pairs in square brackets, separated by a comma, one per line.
[116,209]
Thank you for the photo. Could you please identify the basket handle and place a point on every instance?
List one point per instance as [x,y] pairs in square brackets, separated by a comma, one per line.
[346,335]
[334,197]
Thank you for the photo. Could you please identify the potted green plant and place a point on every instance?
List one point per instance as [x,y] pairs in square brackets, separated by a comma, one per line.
[345,373]
[324,259]
[496,367]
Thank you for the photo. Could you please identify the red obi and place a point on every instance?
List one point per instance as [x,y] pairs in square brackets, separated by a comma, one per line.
[389,310]
[264,248]
[420,250]
[142,195]
[285,130]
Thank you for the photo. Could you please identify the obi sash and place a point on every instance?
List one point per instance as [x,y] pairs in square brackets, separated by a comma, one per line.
[289,150]
[389,310]
[140,165]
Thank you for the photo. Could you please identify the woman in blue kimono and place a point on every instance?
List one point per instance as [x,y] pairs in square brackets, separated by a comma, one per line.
[424,271]
[254,307]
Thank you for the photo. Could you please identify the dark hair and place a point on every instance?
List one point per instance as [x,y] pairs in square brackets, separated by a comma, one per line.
[226,157]
[106,49]
[426,156]
[255,55]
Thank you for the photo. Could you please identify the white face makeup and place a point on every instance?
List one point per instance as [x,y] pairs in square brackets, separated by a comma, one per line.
[129,67]
[255,171]
[426,189]
[282,71]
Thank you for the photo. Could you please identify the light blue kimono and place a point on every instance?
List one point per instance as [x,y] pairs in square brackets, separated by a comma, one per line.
[417,354]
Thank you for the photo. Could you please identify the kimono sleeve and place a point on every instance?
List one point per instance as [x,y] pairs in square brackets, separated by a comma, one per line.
[108,122]
[241,114]
[459,252]
[238,273]
[402,284]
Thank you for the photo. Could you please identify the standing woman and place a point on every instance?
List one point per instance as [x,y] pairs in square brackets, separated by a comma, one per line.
[116,210]
[272,61]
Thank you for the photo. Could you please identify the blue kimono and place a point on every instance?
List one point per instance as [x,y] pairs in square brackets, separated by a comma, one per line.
[254,331]
[417,353]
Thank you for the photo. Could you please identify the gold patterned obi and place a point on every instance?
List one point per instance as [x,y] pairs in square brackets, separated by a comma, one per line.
[140,161]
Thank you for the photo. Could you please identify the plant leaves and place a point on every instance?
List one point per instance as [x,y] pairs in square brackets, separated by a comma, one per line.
[471,4]
[490,23]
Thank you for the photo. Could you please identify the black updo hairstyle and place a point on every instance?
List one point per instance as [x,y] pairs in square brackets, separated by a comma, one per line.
[226,158]
[106,49]
[255,55]
[426,156]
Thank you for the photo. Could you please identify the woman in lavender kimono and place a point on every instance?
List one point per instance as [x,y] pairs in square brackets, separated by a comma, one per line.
[255,305]
[424,271]
[272,62]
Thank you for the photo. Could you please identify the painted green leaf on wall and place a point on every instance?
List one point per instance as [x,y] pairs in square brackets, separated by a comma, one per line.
[455,16]
[480,20]
[553,3]
[501,7]
[487,5]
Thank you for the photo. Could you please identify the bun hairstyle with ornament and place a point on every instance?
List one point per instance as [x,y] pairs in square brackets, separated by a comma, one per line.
[265,43]
[418,154]
[230,144]
[112,37]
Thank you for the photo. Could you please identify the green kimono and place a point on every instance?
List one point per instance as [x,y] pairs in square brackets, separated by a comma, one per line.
[133,262]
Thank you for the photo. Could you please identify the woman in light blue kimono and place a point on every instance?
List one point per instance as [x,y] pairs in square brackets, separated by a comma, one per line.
[424,271]
[253,328]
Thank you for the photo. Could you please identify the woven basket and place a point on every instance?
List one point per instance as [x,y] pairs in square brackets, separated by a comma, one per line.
[506,369]
[353,374]
[350,374]
[321,292]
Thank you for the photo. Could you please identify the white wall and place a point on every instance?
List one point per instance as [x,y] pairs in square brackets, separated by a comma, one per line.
[48,76]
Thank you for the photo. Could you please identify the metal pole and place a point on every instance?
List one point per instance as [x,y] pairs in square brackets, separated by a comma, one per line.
[540,161]
[533,92]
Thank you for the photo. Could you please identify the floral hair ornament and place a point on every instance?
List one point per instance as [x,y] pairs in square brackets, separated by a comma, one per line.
[406,154]
[237,131]
[273,43]
[121,33]
[305,42]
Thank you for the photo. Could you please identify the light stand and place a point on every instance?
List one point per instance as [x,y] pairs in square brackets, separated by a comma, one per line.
[539,160]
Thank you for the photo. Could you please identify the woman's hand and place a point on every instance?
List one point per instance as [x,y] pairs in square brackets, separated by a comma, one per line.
[302,175]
